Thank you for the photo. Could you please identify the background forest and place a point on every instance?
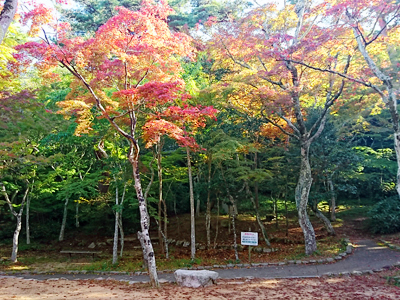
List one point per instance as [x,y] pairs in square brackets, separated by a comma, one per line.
[135,116]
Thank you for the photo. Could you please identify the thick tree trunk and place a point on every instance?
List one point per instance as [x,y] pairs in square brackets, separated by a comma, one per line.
[64,220]
[144,221]
[192,216]
[27,227]
[6,16]
[301,195]
[333,198]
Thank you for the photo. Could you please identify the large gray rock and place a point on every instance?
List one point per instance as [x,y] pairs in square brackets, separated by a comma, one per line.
[195,278]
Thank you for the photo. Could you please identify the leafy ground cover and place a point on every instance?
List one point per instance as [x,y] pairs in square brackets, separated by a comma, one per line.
[286,240]
[374,286]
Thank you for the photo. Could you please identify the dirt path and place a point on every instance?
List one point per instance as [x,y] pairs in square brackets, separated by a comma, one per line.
[367,256]
[360,287]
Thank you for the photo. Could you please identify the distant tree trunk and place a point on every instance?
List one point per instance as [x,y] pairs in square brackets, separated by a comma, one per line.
[198,196]
[233,218]
[77,214]
[333,198]
[208,209]
[216,225]
[325,220]
[122,235]
[18,216]
[160,197]
[256,183]
[64,220]
[115,243]
[259,222]
[28,231]
[192,216]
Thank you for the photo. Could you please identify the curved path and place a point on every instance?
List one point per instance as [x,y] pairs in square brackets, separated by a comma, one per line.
[367,257]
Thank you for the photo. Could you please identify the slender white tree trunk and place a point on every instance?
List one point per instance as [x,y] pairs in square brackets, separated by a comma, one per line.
[192,216]
[28,233]
[115,244]
[18,216]
[64,220]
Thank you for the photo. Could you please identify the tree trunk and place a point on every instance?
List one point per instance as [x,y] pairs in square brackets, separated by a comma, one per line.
[28,231]
[208,209]
[160,196]
[301,195]
[122,235]
[259,222]
[64,220]
[18,216]
[77,214]
[324,220]
[233,218]
[115,243]
[216,225]
[144,218]
[6,16]
[15,237]
[198,197]
[192,216]
[333,198]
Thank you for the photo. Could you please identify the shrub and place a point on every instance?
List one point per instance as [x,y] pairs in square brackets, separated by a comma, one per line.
[385,216]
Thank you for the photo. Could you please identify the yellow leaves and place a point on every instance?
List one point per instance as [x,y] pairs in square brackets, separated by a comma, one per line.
[81,110]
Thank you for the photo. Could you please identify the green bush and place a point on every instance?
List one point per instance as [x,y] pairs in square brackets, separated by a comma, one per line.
[385,216]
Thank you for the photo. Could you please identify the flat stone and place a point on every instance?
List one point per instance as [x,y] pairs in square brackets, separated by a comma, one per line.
[291,262]
[186,244]
[358,273]
[162,280]
[195,279]
[298,262]
[329,259]
[92,245]
[338,257]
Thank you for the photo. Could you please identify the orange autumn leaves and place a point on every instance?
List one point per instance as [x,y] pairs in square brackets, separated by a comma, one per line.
[130,67]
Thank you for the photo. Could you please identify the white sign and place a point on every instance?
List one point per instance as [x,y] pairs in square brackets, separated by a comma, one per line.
[249,238]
